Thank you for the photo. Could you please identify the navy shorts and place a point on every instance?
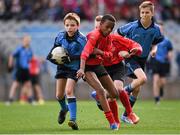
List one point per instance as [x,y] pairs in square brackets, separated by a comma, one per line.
[64,72]
[22,75]
[35,79]
[99,70]
[134,63]
[116,71]
[163,69]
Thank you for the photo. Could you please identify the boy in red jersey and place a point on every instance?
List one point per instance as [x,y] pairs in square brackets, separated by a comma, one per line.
[122,48]
[91,65]
[116,69]
[34,70]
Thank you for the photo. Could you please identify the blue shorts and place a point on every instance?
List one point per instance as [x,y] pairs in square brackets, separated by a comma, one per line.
[21,75]
[64,72]
[162,69]
[35,79]
[134,63]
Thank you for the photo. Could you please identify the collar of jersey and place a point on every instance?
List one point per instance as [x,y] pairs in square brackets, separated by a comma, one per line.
[140,25]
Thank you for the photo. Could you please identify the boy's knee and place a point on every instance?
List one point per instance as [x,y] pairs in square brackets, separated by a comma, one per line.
[143,79]
[114,94]
[59,96]
[69,93]
[101,92]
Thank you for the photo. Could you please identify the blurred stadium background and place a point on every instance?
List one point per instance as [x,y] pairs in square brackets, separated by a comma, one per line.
[42,19]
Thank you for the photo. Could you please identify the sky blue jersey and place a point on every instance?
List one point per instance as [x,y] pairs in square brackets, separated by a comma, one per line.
[23,56]
[162,51]
[145,37]
[73,46]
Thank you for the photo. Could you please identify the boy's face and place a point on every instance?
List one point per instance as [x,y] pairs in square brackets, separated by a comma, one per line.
[146,14]
[106,27]
[70,26]
[26,41]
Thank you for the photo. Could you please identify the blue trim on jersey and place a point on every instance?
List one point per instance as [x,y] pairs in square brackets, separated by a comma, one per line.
[145,37]
[162,51]
[73,46]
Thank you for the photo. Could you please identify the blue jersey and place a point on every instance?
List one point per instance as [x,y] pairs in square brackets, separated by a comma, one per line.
[73,46]
[23,56]
[145,37]
[162,51]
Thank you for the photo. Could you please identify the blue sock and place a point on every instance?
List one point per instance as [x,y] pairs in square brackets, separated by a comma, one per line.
[132,100]
[157,99]
[63,104]
[30,99]
[10,100]
[128,88]
[72,108]
[161,92]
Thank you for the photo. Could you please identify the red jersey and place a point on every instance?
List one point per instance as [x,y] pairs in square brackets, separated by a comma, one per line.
[120,43]
[34,66]
[95,39]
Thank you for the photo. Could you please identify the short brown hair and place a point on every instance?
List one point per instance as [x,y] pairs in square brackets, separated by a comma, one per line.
[72,16]
[147,4]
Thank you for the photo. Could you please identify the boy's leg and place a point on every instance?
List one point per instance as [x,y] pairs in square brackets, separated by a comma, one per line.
[135,87]
[132,99]
[12,91]
[156,87]
[114,108]
[72,105]
[163,83]
[60,95]
[96,98]
[94,82]
[138,81]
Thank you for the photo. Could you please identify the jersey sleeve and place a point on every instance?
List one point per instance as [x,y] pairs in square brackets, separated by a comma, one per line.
[158,36]
[123,30]
[170,46]
[16,52]
[83,42]
[128,44]
[90,45]
[57,42]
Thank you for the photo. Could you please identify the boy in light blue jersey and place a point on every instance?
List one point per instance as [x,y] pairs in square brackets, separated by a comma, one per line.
[146,33]
[161,66]
[73,41]
[19,62]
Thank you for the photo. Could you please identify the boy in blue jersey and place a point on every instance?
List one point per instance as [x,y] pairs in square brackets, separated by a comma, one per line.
[161,66]
[146,33]
[22,56]
[73,41]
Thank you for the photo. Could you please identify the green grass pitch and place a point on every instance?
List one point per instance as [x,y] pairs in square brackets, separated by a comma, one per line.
[28,119]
